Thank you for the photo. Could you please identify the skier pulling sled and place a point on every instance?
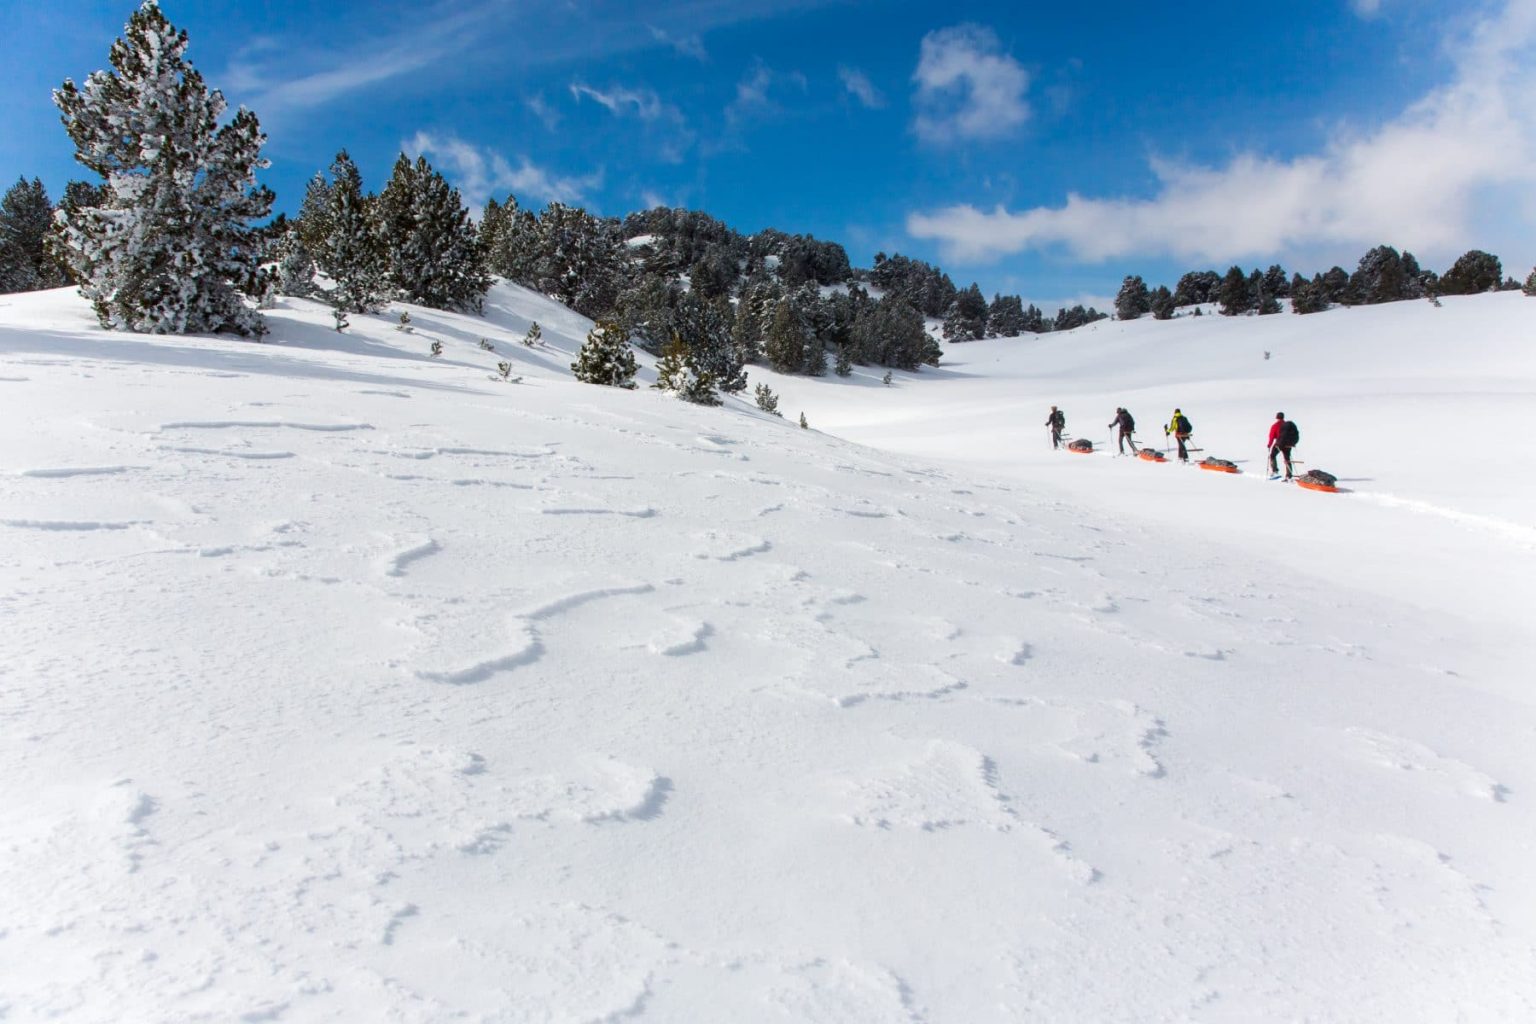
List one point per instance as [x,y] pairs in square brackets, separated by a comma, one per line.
[1127,427]
[1057,422]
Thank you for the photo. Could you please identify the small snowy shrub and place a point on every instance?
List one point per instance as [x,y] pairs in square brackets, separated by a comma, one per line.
[605,357]
[767,400]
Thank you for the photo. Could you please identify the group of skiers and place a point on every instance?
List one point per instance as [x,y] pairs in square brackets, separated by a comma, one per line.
[1283,435]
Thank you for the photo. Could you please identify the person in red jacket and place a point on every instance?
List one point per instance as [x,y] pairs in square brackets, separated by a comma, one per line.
[1283,436]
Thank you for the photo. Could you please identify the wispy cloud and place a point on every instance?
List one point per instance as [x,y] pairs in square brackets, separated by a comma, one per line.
[481,173]
[444,40]
[1366,8]
[666,127]
[858,84]
[643,103]
[1426,179]
[275,79]
[540,108]
[967,87]
[756,91]
[690,45]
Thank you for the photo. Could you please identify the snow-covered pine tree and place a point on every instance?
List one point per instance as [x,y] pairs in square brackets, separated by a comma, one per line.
[1473,272]
[605,357]
[1005,317]
[843,366]
[1380,277]
[509,237]
[578,260]
[892,332]
[784,346]
[1162,303]
[295,267]
[172,247]
[1134,300]
[1334,286]
[754,314]
[1034,320]
[1276,284]
[433,253]
[705,328]
[350,253]
[1529,288]
[1264,303]
[766,399]
[678,372]
[1234,294]
[314,221]
[646,308]
[966,319]
[534,336]
[26,217]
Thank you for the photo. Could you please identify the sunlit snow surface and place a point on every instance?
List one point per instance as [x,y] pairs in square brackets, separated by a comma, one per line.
[344,683]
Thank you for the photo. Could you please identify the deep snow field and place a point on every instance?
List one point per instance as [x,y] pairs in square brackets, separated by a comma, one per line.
[343,683]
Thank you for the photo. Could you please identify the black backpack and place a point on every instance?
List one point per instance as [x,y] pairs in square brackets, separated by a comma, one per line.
[1181,425]
[1290,435]
[1060,420]
[1127,424]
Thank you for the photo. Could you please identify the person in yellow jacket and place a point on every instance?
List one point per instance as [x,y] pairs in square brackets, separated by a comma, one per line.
[1178,425]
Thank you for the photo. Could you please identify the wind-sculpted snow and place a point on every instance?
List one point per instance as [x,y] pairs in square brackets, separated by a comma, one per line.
[344,683]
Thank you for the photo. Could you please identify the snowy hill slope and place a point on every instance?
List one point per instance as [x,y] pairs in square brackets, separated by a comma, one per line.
[344,683]
[1419,411]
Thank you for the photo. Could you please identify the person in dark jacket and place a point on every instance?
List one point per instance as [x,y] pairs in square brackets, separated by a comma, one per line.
[1057,421]
[1283,436]
[1180,428]
[1127,427]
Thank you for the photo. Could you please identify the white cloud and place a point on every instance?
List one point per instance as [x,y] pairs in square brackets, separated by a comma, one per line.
[480,173]
[645,104]
[433,42]
[1366,8]
[668,128]
[967,87]
[858,83]
[688,46]
[755,92]
[540,108]
[1422,180]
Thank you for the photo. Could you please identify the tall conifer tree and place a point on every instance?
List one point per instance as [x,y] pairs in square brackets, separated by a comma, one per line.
[171,248]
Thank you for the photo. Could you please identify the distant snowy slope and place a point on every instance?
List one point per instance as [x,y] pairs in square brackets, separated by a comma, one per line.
[342,682]
[1419,411]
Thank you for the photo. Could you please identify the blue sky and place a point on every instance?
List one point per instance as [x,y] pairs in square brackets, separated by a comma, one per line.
[1041,149]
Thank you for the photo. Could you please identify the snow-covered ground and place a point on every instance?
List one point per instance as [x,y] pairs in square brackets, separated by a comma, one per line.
[343,683]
